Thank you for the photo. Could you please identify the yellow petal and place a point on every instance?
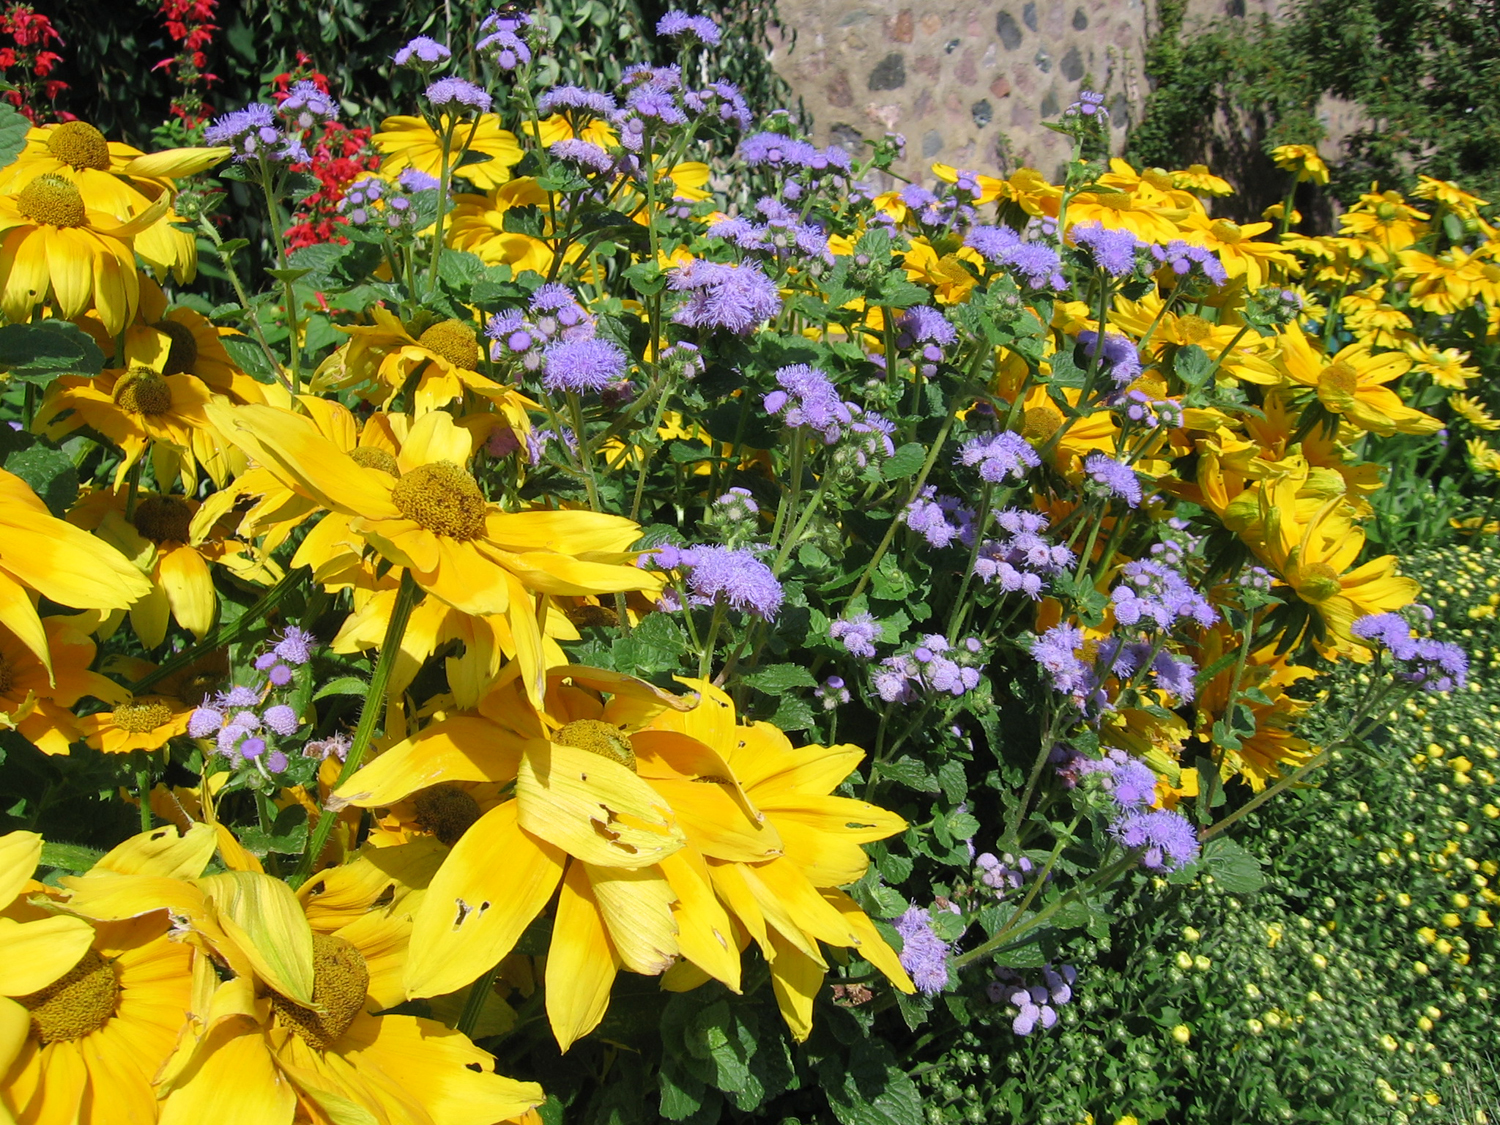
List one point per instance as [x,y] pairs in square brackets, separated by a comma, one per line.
[26,281]
[36,953]
[15,1026]
[20,852]
[232,1081]
[581,961]
[593,808]
[795,978]
[637,910]
[70,264]
[872,947]
[189,586]
[161,852]
[150,616]
[494,882]
[463,748]
[262,916]
[705,935]
[19,616]
[435,438]
[175,162]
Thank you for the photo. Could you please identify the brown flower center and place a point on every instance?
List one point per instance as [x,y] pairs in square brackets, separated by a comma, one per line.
[1319,582]
[143,391]
[597,737]
[141,718]
[1039,423]
[585,616]
[7,676]
[454,341]
[376,459]
[443,498]
[446,811]
[79,144]
[160,518]
[184,352]
[341,980]
[82,1001]
[52,200]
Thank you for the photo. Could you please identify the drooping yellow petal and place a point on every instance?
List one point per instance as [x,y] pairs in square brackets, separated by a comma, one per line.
[19,616]
[15,1027]
[637,909]
[37,953]
[262,916]
[494,882]
[592,807]
[463,748]
[581,961]
[795,978]
[161,852]
[189,587]
[872,947]
[232,1080]
[705,934]
[20,852]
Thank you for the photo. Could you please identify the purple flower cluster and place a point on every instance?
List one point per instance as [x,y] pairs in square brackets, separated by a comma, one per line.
[1153,594]
[1113,251]
[737,577]
[1186,260]
[926,326]
[1035,263]
[1058,651]
[583,366]
[1089,106]
[245,720]
[923,954]
[503,39]
[1130,782]
[832,692]
[1120,358]
[421,53]
[932,665]
[553,316]
[306,106]
[720,295]
[1024,559]
[1034,1003]
[1429,664]
[868,438]
[999,457]
[808,398]
[1141,407]
[453,95]
[798,164]
[941,520]
[583,154]
[1168,839]
[372,199]
[857,634]
[253,132]
[1114,478]
[561,98]
[1003,873]
[701,28]
[779,236]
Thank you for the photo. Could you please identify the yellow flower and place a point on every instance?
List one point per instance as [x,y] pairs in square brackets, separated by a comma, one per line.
[1352,384]
[1274,746]
[990,189]
[1441,284]
[42,553]
[1482,458]
[477,224]
[1149,213]
[118,180]
[1450,195]
[1385,222]
[1473,411]
[1303,160]
[1449,368]
[38,704]
[94,1036]
[951,283]
[147,722]
[1259,263]
[56,246]
[409,142]
[1198,179]
[559,127]
[431,518]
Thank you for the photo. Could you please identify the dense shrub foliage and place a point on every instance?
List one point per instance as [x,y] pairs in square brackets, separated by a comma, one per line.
[579,638]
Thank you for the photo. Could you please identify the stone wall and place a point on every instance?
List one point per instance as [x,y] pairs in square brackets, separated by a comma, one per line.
[966,84]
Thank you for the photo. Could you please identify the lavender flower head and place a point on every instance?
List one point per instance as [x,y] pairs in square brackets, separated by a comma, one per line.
[735,298]
[1120,356]
[575,97]
[585,154]
[737,577]
[1432,665]
[923,954]
[1038,265]
[857,634]
[1155,594]
[305,105]
[1169,841]
[675,24]
[251,132]
[422,52]
[1112,251]
[1130,782]
[582,366]
[941,520]
[1115,478]
[999,457]
[453,94]
[502,39]
[808,398]
[1184,259]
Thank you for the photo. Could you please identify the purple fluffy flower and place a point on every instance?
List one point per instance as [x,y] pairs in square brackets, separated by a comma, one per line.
[1120,356]
[250,132]
[737,577]
[1155,594]
[808,398]
[1113,251]
[501,39]
[1119,479]
[699,27]
[305,105]
[422,51]
[1038,265]
[857,634]
[295,646]
[574,97]
[449,94]
[1056,651]
[928,515]
[585,154]
[1000,457]
[1431,665]
[581,366]
[924,955]
[736,298]
[204,721]
[282,719]
[1168,839]
[1130,782]
[924,324]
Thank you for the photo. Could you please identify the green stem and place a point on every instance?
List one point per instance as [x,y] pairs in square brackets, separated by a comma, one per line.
[227,261]
[814,504]
[981,526]
[450,124]
[143,783]
[479,992]
[375,702]
[706,656]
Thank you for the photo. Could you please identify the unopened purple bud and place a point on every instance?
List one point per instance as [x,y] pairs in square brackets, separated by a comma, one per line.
[280,675]
[252,748]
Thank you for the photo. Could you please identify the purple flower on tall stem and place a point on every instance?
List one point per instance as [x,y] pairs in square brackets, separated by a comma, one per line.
[720,295]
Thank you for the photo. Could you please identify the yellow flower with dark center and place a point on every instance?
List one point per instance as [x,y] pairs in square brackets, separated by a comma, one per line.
[1352,384]
[39,705]
[1259,263]
[435,521]
[56,246]
[1303,160]
[558,127]
[1385,222]
[1148,212]
[409,142]
[139,409]
[42,553]
[990,189]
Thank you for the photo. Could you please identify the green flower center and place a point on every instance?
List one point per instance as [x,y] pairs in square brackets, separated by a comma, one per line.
[82,1001]
[1336,386]
[53,201]
[446,811]
[160,518]
[341,980]
[1194,329]
[1225,231]
[184,352]
[141,718]
[143,391]
[1038,423]
[1319,582]
[79,144]
[376,459]
[443,498]
[454,341]
[597,737]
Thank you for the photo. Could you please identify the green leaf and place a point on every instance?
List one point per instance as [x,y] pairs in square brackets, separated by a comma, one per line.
[344,685]
[38,353]
[247,356]
[50,473]
[69,857]
[793,714]
[1192,365]
[647,278]
[904,462]
[871,1089]
[909,772]
[780,678]
[289,275]
[1233,868]
[13,127]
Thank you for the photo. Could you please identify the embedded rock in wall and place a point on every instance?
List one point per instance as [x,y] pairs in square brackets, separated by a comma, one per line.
[969,86]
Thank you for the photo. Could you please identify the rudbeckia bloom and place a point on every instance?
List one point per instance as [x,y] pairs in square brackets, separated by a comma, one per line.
[38,704]
[477,224]
[42,553]
[1384,222]
[1352,384]
[1257,262]
[1198,179]
[430,517]
[146,722]
[56,246]
[409,142]
[1303,160]
[118,180]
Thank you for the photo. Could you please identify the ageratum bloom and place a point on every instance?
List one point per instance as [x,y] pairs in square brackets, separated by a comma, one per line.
[720,295]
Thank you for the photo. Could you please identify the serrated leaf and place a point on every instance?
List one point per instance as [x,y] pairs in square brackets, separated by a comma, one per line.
[779,678]
[1233,868]
[73,858]
[904,462]
[50,473]
[1192,365]
[870,1089]
[39,353]
[13,129]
